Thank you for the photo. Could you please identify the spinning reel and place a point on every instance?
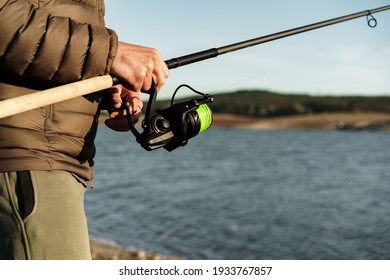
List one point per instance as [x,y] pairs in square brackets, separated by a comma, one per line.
[172,127]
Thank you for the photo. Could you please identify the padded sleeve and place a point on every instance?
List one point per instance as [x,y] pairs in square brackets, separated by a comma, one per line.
[37,46]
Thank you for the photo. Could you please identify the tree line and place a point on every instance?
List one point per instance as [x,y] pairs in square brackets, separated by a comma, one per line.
[261,103]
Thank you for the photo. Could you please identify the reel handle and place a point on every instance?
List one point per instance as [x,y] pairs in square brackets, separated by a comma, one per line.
[151,105]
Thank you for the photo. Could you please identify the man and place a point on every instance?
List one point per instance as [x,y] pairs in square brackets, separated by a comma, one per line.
[46,155]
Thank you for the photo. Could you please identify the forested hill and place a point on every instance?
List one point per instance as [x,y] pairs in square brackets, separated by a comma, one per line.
[258,103]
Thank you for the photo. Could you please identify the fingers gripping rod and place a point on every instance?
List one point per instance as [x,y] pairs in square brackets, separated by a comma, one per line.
[35,100]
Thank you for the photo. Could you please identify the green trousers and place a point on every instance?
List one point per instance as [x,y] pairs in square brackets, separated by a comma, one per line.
[44,220]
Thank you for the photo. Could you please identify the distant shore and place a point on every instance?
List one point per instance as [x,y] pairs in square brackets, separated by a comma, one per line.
[324,121]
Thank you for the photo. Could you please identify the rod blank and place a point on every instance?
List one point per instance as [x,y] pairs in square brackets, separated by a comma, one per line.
[203,55]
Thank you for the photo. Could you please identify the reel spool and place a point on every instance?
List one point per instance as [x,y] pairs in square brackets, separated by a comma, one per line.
[172,127]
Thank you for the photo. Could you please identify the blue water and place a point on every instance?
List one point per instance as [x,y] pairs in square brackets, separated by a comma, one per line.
[241,194]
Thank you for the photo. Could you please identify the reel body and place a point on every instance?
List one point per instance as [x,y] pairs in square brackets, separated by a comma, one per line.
[172,127]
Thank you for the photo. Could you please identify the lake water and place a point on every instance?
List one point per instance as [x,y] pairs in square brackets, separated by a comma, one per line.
[242,194]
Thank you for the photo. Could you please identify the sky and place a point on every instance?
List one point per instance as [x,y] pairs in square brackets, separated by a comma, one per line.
[349,58]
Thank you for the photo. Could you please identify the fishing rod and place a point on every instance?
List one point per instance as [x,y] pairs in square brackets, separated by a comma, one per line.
[175,125]
[214,52]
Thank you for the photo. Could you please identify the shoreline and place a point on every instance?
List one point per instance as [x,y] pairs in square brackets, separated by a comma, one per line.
[102,250]
[323,121]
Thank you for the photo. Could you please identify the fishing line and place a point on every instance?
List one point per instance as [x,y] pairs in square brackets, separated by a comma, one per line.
[371,22]
[272,69]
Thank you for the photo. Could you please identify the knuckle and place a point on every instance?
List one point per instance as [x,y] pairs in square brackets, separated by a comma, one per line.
[149,66]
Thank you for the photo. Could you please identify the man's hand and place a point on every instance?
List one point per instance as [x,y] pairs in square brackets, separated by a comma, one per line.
[139,67]
[116,96]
